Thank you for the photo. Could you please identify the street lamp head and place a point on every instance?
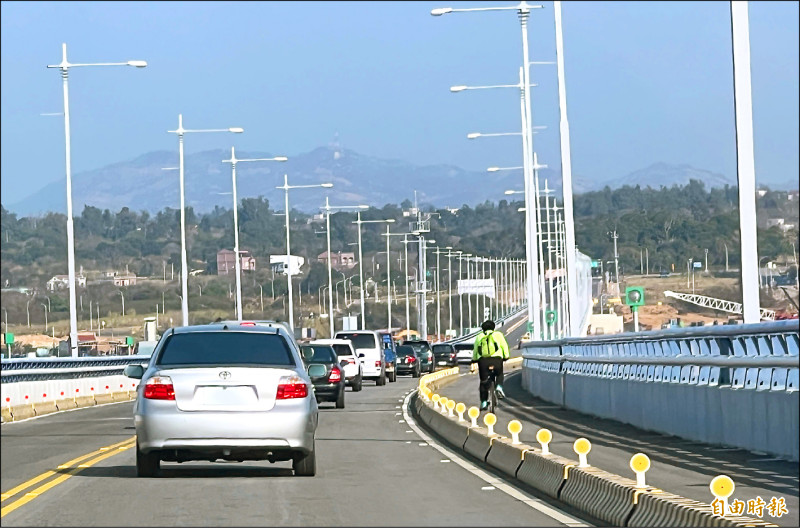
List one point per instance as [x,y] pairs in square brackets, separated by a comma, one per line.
[473,135]
[439,11]
[390,221]
[138,64]
[457,88]
[510,192]
[327,185]
[281,158]
[236,130]
[493,169]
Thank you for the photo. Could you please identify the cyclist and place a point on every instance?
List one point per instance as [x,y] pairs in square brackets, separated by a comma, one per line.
[490,349]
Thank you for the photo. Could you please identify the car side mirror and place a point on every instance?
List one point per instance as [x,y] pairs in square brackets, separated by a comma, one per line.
[361,355]
[134,371]
[316,370]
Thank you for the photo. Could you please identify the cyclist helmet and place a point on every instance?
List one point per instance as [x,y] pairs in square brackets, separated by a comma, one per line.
[487,325]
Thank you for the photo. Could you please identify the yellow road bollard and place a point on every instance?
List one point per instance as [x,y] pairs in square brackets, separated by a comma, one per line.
[436,399]
[544,436]
[582,447]
[722,487]
[473,413]
[451,404]
[640,463]
[490,419]
[515,428]
[460,408]
[443,405]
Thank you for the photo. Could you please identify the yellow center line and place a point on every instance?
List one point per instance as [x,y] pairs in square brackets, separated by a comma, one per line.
[125,444]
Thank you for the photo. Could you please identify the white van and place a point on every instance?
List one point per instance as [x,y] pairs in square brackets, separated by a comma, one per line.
[369,348]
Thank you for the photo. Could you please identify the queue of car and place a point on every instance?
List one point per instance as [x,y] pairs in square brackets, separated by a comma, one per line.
[236,391]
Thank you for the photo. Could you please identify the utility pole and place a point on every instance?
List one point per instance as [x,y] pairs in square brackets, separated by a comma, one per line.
[615,236]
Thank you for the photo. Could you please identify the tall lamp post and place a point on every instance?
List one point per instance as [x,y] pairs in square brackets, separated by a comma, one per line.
[359,221]
[328,208]
[64,66]
[233,161]
[286,188]
[523,11]
[180,131]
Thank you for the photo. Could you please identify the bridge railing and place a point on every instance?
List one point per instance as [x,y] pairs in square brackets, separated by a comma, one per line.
[733,385]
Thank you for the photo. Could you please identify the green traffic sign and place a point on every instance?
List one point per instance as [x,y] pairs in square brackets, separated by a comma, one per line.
[595,263]
[551,316]
[530,327]
[8,337]
[129,340]
[634,296]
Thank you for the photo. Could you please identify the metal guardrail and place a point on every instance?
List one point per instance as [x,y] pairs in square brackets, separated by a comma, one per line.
[41,369]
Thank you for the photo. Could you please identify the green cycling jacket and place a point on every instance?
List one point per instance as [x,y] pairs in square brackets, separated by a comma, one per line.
[490,344]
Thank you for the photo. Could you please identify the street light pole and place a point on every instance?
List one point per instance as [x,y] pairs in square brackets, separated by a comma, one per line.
[64,66]
[123,302]
[359,221]
[237,256]
[180,131]
[286,188]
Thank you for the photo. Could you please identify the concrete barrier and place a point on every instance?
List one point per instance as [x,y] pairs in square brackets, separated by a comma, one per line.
[21,412]
[545,473]
[45,408]
[84,401]
[603,495]
[66,403]
[449,429]
[506,456]
[120,396]
[660,508]
[106,397]
[478,443]
[5,412]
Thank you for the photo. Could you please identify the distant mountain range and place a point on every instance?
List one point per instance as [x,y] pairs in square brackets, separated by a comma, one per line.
[142,184]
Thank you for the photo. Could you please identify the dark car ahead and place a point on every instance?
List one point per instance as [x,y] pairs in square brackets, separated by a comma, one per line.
[445,355]
[407,361]
[424,353]
[328,387]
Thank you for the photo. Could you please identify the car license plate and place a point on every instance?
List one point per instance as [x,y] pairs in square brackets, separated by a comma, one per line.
[442,363]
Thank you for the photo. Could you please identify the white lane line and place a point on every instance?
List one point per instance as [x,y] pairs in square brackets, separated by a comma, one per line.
[490,479]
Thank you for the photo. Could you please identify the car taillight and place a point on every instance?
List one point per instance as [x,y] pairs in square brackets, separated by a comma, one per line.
[291,387]
[452,355]
[159,388]
[247,323]
[377,363]
[412,359]
[336,375]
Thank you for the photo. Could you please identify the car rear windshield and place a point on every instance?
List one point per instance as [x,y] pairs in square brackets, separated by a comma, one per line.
[225,348]
[420,346]
[359,340]
[405,351]
[320,354]
[342,350]
[442,349]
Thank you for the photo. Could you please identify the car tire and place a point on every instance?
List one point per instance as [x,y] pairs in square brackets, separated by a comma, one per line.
[147,464]
[340,400]
[393,376]
[415,374]
[305,465]
[357,383]
[381,380]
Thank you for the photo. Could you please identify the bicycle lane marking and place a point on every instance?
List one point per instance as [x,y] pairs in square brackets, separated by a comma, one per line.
[100,454]
[490,479]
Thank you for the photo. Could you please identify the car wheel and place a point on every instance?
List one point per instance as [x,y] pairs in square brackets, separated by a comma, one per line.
[415,373]
[340,399]
[381,380]
[305,465]
[357,383]
[147,464]
[393,376]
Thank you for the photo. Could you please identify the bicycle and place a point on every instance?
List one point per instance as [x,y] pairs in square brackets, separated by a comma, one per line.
[491,389]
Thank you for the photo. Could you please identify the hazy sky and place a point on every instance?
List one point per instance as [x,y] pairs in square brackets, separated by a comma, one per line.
[646,82]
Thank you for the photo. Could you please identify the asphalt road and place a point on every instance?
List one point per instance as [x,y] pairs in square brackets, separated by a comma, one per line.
[373,469]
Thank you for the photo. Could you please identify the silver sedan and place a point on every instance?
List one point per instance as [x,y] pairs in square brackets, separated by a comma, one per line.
[225,391]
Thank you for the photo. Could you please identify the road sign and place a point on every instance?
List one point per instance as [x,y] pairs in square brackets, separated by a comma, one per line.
[595,263]
[550,316]
[8,338]
[634,296]
[696,264]
[530,327]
